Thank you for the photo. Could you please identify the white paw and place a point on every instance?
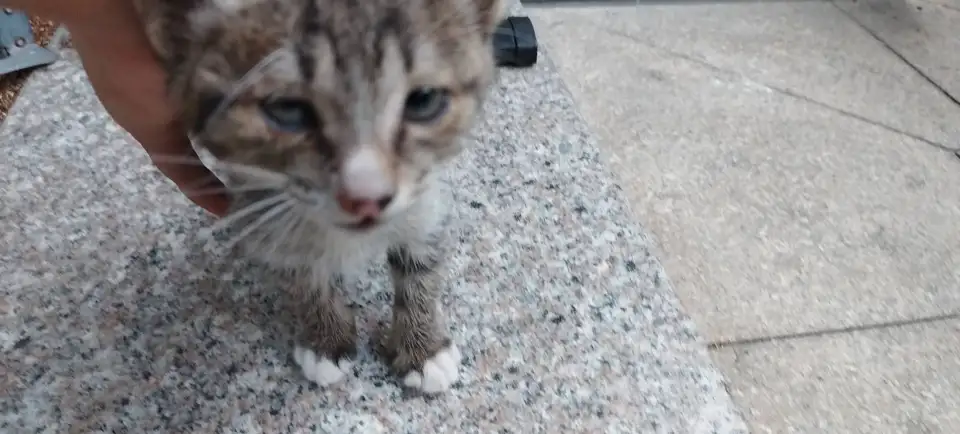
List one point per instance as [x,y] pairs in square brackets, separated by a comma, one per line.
[439,372]
[320,370]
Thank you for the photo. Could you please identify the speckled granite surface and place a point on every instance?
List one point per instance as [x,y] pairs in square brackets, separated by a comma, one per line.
[115,318]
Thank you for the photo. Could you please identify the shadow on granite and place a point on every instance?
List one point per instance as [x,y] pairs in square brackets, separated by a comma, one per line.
[114,317]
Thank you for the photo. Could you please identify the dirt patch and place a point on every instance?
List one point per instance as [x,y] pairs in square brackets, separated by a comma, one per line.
[10,84]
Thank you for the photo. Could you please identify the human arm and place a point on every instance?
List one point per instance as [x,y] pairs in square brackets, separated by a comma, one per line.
[130,82]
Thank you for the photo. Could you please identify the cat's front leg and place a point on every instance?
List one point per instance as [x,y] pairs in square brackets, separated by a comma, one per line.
[326,334]
[420,351]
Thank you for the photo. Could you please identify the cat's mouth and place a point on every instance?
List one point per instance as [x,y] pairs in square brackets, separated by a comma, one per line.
[363,225]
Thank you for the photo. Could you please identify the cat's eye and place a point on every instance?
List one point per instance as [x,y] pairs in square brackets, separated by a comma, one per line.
[426,104]
[289,114]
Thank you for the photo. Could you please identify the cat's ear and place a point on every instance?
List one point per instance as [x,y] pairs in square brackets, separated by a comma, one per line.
[491,13]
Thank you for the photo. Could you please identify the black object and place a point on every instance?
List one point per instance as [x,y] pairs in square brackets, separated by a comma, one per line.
[515,43]
[18,50]
[561,3]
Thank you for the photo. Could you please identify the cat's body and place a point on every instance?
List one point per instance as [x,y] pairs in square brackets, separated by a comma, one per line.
[331,118]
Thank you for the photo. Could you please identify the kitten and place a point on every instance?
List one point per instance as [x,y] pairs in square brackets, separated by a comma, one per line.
[331,119]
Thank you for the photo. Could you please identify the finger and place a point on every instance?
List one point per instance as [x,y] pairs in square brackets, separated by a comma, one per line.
[130,83]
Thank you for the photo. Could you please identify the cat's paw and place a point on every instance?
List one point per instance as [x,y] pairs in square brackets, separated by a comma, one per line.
[438,373]
[321,369]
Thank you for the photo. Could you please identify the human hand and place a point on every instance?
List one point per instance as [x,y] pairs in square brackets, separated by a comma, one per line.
[131,84]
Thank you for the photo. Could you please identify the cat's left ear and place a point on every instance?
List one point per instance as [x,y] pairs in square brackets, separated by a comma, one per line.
[491,13]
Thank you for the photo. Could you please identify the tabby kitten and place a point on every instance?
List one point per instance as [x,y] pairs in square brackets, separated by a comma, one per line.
[330,119]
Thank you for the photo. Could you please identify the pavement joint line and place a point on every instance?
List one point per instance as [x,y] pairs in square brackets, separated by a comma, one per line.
[946,93]
[782,91]
[862,118]
[559,4]
[949,7]
[717,345]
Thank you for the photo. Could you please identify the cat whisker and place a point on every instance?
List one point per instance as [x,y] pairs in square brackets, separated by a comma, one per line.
[260,239]
[222,190]
[269,236]
[202,185]
[277,210]
[254,207]
[244,82]
[293,220]
[236,168]
[186,160]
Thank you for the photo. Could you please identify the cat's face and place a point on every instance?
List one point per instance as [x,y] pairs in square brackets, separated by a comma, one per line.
[345,106]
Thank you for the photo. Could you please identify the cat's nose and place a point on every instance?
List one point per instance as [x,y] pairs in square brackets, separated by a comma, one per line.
[363,207]
[366,183]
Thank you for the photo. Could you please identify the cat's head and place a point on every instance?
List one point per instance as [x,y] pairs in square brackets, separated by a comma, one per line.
[347,106]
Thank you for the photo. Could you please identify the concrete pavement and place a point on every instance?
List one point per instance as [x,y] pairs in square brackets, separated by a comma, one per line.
[794,161]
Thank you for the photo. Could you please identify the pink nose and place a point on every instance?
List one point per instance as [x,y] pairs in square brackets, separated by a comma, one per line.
[362,207]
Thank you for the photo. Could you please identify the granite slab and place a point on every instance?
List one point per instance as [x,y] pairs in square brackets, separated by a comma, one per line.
[117,316]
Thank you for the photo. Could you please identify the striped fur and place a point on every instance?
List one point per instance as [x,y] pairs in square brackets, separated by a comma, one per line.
[355,63]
